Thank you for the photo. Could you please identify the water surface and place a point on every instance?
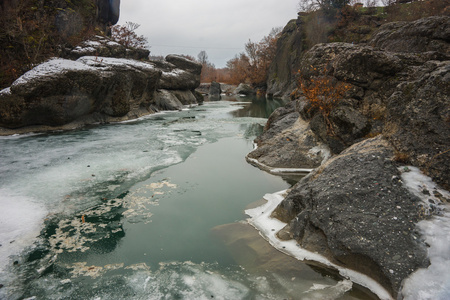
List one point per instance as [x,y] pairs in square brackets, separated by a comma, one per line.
[148,209]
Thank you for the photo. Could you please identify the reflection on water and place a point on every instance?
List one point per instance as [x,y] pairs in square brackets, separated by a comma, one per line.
[258,107]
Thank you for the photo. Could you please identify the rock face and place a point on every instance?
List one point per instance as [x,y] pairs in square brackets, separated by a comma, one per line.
[429,34]
[96,89]
[108,11]
[215,91]
[285,64]
[353,209]
[296,144]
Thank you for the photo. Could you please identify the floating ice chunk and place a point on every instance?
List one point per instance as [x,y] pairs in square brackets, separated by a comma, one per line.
[278,171]
[20,224]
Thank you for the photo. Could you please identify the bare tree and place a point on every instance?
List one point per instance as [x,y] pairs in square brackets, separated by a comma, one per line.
[126,35]
[326,5]
[202,57]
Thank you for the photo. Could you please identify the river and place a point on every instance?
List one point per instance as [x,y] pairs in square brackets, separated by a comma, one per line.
[147,209]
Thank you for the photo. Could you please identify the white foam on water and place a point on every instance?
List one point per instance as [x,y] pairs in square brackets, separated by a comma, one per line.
[20,223]
[432,283]
[268,228]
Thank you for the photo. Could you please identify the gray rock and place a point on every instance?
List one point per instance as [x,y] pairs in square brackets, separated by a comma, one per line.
[94,89]
[184,63]
[351,211]
[288,142]
[427,34]
[108,11]
[214,89]
[101,46]
[417,120]
[167,100]
[282,72]
[244,89]
[179,73]
[403,96]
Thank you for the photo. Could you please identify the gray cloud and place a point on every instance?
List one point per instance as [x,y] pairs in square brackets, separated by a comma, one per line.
[221,28]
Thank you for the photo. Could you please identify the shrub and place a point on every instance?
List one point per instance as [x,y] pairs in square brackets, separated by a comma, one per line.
[322,93]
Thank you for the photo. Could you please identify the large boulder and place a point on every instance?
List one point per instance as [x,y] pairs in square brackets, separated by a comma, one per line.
[403,96]
[179,73]
[184,63]
[244,89]
[288,142]
[104,47]
[95,89]
[355,211]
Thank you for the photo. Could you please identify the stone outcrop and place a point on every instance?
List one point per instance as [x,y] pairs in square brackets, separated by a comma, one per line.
[352,208]
[92,89]
[244,89]
[287,58]
[214,91]
[355,211]
[104,47]
[297,146]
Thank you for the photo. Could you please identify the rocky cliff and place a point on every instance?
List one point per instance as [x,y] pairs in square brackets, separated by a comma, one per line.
[354,208]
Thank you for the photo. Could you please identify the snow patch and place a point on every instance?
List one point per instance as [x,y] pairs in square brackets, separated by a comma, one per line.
[107,62]
[434,281]
[279,171]
[6,91]
[268,227]
[321,150]
[424,188]
[174,73]
[51,68]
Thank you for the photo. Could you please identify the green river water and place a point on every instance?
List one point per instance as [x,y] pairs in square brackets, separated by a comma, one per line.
[148,209]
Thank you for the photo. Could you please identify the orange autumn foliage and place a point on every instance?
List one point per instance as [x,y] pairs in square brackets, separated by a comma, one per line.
[322,94]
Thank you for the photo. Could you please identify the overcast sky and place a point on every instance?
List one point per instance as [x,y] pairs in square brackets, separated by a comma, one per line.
[221,28]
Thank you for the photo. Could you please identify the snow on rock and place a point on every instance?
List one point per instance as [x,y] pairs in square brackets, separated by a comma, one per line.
[6,91]
[51,68]
[105,63]
[432,283]
[260,218]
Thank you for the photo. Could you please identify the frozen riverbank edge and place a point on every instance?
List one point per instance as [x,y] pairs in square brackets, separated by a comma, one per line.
[426,283]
